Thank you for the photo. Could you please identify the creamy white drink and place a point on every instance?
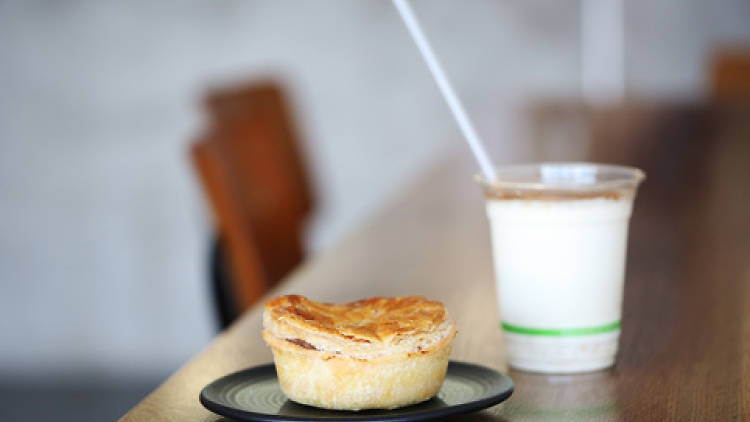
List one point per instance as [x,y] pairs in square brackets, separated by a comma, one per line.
[559,239]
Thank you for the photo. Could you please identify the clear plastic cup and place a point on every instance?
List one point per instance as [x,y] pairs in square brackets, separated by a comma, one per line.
[559,239]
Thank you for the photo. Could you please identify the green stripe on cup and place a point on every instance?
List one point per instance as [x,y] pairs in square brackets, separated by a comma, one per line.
[560,332]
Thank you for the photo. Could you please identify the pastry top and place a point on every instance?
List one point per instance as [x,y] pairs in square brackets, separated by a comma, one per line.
[366,329]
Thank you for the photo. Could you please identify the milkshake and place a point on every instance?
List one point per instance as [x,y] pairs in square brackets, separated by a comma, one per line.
[559,238]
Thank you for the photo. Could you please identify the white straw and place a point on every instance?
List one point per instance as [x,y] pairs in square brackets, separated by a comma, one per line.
[445,87]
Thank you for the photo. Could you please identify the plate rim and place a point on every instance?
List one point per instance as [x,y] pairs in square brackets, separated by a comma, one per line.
[471,406]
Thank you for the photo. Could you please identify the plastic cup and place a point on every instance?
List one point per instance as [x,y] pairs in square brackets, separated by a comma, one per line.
[559,239]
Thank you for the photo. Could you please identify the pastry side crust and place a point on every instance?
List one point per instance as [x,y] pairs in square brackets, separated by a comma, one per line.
[351,384]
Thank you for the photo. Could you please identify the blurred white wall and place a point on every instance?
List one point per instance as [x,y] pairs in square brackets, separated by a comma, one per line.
[103,229]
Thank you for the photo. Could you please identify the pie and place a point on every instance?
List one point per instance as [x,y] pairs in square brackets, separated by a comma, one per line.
[377,353]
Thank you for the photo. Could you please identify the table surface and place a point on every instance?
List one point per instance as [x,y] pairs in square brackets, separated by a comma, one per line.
[685,342]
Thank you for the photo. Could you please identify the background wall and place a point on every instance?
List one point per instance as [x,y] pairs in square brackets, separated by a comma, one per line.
[103,230]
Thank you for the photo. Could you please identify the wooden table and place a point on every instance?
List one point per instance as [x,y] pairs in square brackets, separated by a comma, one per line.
[685,344]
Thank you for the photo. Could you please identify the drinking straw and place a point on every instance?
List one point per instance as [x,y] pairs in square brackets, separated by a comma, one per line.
[464,123]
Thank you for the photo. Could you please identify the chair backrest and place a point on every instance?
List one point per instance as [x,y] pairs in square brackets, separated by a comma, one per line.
[730,75]
[253,174]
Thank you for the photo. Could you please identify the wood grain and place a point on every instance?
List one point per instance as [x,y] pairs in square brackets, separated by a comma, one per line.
[685,344]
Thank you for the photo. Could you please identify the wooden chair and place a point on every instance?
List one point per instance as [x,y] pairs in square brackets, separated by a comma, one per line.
[730,75]
[253,175]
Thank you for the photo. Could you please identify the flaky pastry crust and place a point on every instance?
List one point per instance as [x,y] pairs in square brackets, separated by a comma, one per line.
[373,353]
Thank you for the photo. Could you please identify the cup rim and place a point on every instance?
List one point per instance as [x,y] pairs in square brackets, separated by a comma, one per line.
[591,176]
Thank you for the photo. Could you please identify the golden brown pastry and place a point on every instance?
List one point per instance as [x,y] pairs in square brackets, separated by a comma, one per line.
[377,353]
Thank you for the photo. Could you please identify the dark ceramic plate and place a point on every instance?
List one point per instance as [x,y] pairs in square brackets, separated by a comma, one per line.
[254,395]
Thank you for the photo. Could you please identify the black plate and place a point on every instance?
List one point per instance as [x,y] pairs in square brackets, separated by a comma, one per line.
[254,395]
